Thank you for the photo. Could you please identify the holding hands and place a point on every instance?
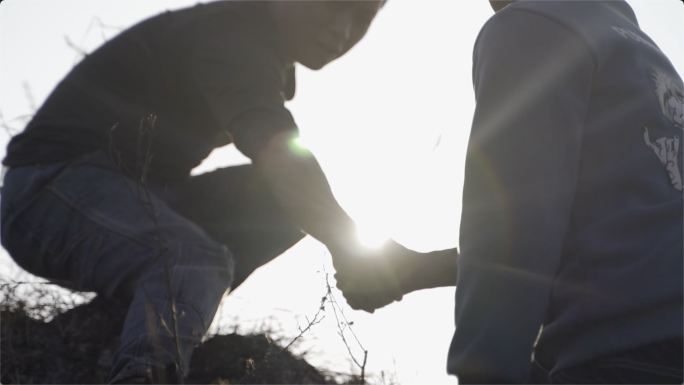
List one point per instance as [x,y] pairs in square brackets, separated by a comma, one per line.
[371,278]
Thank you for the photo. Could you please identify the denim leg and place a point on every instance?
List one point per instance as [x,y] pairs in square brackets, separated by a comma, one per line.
[235,207]
[198,279]
[89,225]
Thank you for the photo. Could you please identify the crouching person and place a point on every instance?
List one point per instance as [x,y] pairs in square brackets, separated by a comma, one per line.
[99,194]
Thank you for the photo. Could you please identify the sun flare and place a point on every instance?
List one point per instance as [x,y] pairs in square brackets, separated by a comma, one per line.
[371,236]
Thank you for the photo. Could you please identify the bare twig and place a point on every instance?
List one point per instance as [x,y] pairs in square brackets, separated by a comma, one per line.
[97,22]
[144,156]
[11,131]
[150,313]
[144,167]
[311,323]
[29,96]
[94,22]
[80,51]
[347,325]
[437,143]
[342,326]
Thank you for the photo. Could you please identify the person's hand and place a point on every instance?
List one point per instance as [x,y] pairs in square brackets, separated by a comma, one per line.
[371,278]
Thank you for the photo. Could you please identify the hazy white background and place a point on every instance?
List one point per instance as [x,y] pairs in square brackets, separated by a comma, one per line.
[373,118]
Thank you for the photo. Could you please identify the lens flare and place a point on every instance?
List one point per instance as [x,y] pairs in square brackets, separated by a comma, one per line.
[300,142]
[371,236]
[299,146]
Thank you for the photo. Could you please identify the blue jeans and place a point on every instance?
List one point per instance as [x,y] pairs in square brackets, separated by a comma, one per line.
[659,363]
[86,223]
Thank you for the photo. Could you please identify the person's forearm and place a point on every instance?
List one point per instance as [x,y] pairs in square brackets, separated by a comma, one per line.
[441,268]
[302,191]
[431,270]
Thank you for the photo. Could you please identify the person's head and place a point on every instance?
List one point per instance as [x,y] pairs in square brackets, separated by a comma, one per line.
[316,32]
[498,5]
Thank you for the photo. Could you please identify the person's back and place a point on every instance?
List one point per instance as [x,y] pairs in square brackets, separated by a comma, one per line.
[168,67]
[572,210]
[619,284]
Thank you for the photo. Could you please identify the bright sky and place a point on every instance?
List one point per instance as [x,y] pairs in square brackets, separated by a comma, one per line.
[373,119]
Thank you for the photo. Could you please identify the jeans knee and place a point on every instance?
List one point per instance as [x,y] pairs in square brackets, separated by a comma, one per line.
[196,274]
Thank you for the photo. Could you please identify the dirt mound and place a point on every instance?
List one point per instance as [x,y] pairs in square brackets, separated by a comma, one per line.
[77,346]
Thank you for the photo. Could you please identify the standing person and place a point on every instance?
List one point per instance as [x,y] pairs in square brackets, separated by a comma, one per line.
[572,204]
[99,196]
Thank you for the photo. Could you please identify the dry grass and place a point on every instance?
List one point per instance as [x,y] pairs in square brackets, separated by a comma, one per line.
[51,341]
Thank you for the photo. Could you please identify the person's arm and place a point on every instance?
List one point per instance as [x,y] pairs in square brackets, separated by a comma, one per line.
[240,75]
[532,80]
[432,270]
[302,190]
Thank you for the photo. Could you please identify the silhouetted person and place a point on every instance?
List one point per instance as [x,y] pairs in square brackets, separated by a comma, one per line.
[99,194]
[572,205]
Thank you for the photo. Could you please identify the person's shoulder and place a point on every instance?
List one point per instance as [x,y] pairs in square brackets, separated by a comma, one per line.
[561,9]
[517,20]
[530,17]
[237,19]
[527,27]
[574,14]
[241,30]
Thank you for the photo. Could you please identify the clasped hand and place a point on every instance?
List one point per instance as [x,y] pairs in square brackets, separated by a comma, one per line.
[371,278]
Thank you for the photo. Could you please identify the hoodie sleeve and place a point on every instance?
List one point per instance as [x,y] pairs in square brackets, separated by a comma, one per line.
[532,79]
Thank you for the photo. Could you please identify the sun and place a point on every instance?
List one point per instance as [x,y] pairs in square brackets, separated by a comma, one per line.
[371,236]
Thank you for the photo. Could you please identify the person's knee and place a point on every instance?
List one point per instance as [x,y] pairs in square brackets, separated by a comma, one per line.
[194,273]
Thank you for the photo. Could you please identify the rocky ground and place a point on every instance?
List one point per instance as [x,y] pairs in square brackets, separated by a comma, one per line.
[76,346]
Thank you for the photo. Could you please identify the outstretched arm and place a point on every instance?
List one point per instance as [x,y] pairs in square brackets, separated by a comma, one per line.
[242,84]
[431,270]
[369,278]
[302,191]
